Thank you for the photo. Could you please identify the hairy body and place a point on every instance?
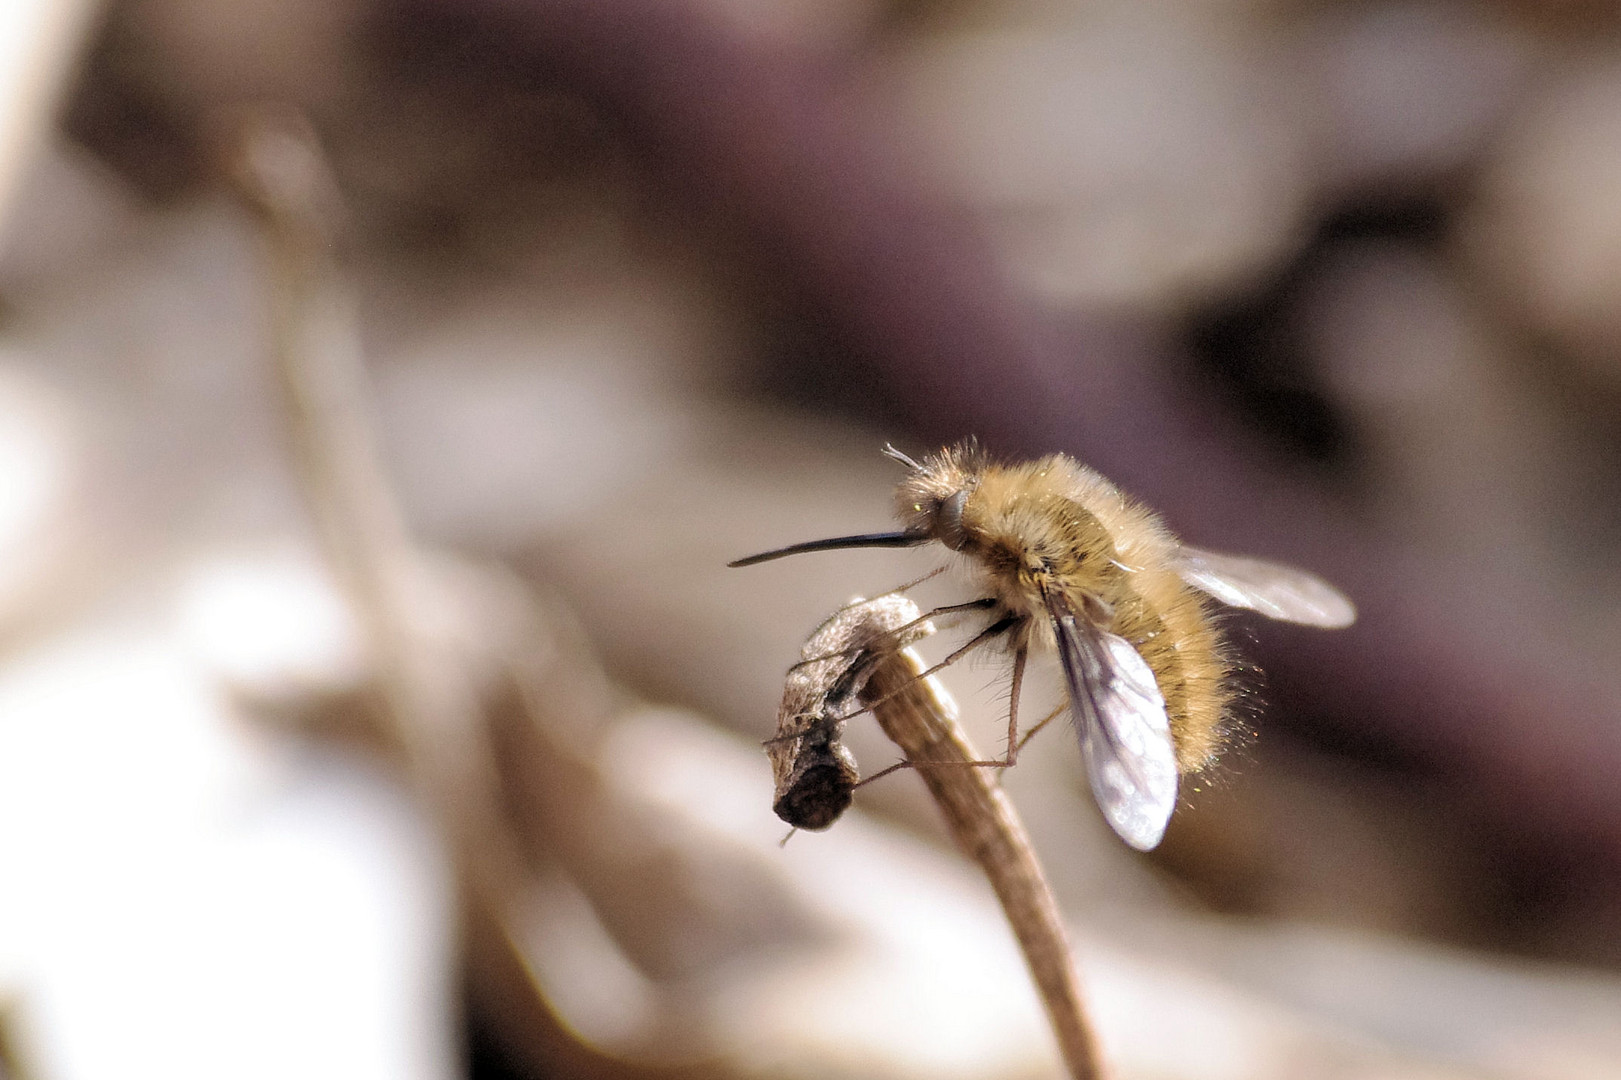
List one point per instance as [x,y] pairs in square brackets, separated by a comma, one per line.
[1055,527]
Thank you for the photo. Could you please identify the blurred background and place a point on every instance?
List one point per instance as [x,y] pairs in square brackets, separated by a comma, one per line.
[384,385]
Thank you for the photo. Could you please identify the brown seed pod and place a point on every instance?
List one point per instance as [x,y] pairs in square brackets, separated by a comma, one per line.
[816,775]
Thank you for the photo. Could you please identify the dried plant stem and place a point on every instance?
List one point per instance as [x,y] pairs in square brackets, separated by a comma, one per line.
[986,827]
[434,719]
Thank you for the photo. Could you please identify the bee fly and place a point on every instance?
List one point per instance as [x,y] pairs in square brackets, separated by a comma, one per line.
[1071,564]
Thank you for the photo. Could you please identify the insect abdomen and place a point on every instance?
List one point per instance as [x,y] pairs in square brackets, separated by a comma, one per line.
[1189,659]
[1166,620]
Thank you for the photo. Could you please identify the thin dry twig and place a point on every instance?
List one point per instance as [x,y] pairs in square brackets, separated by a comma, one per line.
[433,716]
[464,751]
[912,712]
[279,172]
[17,1059]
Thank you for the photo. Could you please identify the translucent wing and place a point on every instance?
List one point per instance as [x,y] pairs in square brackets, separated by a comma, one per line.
[1120,718]
[1275,590]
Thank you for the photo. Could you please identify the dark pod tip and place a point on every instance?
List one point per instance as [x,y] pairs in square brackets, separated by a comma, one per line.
[819,795]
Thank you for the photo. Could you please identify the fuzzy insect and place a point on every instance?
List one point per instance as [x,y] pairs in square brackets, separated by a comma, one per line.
[1070,564]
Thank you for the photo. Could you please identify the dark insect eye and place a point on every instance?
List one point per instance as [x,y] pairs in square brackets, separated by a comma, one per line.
[951,531]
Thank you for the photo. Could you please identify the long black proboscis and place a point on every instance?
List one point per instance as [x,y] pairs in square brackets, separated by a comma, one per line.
[889,539]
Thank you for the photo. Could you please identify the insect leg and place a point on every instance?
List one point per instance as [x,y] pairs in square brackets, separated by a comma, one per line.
[1013,743]
[1001,626]
[915,582]
[1049,718]
[881,773]
[996,629]
[899,765]
[790,736]
[948,609]
[971,605]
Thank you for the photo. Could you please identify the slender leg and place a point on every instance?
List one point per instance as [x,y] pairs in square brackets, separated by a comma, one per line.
[996,629]
[897,590]
[1028,735]
[949,609]
[1001,626]
[1013,743]
[881,773]
[1049,718]
[788,736]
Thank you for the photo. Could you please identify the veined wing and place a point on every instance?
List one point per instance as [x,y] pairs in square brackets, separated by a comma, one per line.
[1120,719]
[1273,589]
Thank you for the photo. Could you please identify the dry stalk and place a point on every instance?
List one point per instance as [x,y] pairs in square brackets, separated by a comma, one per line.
[981,818]
[434,719]
[438,722]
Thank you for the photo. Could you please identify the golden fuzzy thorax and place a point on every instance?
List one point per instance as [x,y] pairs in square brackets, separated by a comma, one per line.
[1055,526]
